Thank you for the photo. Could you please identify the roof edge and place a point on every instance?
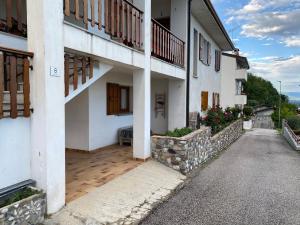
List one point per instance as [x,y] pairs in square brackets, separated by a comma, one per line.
[219,22]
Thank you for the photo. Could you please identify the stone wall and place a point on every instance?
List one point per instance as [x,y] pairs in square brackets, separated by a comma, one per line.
[27,211]
[187,153]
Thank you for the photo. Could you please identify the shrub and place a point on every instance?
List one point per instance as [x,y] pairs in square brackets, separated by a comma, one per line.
[179,132]
[294,122]
[248,111]
[235,112]
[287,110]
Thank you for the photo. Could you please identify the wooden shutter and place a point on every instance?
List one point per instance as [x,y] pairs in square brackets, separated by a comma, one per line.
[201,45]
[1,83]
[208,53]
[204,100]
[113,99]
[213,100]
[217,60]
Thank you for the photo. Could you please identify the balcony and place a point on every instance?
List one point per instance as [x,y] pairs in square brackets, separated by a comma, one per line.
[166,46]
[118,20]
[14,83]
[13,18]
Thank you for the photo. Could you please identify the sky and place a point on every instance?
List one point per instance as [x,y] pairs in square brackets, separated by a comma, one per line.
[268,33]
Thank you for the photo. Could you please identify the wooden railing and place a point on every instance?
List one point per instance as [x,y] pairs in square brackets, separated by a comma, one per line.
[14,83]
[77,70]
[122,20]
[11,24]
[167,46]
[295,137]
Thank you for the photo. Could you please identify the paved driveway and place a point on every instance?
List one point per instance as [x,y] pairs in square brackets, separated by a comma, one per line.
[257,181]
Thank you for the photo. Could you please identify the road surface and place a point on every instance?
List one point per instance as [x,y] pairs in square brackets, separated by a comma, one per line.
[256,181]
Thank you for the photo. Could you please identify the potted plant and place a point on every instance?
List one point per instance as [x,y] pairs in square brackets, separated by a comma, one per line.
[24,206]
[247,116]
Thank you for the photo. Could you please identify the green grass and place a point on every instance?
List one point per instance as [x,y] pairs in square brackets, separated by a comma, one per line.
[19,195]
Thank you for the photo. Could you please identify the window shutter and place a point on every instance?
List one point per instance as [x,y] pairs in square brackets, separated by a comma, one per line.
[214,100]
[208,53]
[201,46]
[113,99]
[204,100]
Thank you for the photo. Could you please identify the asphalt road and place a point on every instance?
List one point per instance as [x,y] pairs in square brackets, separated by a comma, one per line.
[256,181]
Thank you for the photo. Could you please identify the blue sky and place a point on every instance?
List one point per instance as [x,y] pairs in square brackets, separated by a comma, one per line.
[268,33]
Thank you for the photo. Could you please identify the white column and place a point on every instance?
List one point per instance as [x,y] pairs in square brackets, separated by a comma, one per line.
[142,95]
[45,39]
[176,104]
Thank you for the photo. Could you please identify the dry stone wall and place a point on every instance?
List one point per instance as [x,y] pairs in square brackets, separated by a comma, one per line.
[187,153]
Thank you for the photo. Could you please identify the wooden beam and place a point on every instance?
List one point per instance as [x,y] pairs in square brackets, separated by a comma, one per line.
[67,75]
[91,72]
[1,83]
[92,12]
[19,14]
[16,51]
[77,16]
[75,78]
[26,87]
[9,13]
[83,70]
[85,11]
[100,14]
[67,7]
[13,87]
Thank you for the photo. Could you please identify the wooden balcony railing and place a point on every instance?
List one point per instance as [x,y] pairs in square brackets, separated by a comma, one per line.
[14,83]
[122,20]
[167,46]
[14,24]
[77,70]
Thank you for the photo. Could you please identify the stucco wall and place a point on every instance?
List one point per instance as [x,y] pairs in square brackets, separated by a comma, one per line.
[208,79]
[15,151]
[159,123]
[228,86]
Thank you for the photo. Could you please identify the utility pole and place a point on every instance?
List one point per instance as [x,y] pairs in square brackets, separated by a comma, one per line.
[279,116]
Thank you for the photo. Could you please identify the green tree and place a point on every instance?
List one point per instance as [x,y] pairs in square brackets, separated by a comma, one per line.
[287,110]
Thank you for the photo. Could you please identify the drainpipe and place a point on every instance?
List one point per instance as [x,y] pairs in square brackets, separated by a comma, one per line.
[188,63]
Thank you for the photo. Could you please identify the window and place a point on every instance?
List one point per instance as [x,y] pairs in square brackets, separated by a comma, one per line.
[215,100]
[217,60]
[117,99]
[195,61]
[239,84]
[204,100]
[204,50]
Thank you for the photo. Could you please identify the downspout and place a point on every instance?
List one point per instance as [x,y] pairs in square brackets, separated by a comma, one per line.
[188,64]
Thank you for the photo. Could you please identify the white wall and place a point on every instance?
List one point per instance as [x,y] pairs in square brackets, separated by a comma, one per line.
[208,79]
[228,86]
[15,151]
[77,122]
[103,128]
[159,123]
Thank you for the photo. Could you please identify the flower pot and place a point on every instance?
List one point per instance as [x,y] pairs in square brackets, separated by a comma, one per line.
[248,125]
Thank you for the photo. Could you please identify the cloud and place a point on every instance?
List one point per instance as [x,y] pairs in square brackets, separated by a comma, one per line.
[273,68]
[269,19]
[293,41]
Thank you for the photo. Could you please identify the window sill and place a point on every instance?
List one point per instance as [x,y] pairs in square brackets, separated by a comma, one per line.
[122,114]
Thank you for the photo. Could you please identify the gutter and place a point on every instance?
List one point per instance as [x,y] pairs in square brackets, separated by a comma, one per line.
[188,67]
[217,19]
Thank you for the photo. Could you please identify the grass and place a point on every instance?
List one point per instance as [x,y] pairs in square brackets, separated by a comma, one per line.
[19,195]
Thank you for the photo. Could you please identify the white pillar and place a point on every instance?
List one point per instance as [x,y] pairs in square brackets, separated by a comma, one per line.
[142,95]
[176,104]
[45,39]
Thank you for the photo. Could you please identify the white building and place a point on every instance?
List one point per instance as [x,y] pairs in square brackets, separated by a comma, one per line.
[234,76]
[73,72]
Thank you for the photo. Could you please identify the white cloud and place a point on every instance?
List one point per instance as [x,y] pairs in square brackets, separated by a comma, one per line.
[269,19]
[293,41]
[273,68]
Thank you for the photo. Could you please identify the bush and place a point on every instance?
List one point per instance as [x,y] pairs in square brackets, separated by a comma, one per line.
[179,132]
[294,122]
[218,119]
[248,111]
[287,110]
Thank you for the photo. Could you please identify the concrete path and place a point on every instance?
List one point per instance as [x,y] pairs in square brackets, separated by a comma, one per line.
[256,181]
[124,200]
